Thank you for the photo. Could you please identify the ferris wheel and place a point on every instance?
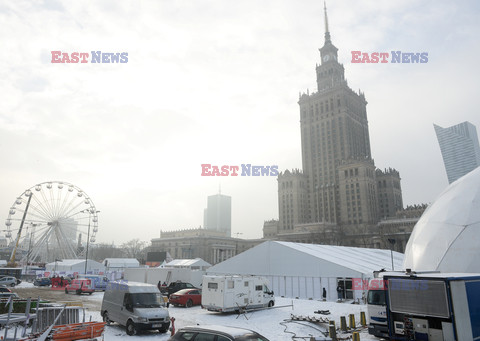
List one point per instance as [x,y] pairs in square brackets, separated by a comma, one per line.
[48,222]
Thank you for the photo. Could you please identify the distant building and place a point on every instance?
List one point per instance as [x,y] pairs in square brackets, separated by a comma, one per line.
[218,214]
[460,149]
[212,246]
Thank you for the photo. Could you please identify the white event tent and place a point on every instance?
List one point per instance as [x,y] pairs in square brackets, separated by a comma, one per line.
[303,270]
[447,236]
[72,266]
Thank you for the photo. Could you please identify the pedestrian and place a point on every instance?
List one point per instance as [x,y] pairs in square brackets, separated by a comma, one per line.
[159,285]
[340,292]
[324,294]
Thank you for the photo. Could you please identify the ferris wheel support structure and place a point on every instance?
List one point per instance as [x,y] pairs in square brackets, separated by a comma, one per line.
[14,251]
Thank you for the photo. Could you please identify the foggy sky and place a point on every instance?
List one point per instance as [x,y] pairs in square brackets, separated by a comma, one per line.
[217,81]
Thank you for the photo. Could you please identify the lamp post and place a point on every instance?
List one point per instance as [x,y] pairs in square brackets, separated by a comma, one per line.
[392,243]
[90,212]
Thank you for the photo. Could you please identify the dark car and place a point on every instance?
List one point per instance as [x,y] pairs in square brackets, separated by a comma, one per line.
[218,333]
[6,292]
[176,286]
[186,298]
[42,281]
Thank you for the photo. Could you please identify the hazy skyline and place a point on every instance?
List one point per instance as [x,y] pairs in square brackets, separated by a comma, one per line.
[217,82]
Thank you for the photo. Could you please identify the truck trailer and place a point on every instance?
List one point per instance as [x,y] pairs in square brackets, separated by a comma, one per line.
[433,307]
[225,293]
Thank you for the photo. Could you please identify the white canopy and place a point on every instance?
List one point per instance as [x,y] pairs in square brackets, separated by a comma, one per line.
[296,259]
[447,236]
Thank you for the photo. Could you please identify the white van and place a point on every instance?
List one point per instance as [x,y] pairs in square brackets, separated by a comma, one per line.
[137,306]
[225,293]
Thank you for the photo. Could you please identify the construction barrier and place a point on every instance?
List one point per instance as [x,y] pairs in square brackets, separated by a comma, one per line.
[363,320]
[343,323]
[332,331]
[351,319]
[355,336]
[46,317]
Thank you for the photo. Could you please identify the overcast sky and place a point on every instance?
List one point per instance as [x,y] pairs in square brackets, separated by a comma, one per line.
[217,81]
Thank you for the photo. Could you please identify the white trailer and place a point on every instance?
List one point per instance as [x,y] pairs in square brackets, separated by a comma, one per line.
[224,293]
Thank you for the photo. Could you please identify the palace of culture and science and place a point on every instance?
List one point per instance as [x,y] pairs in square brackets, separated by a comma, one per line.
[340,197]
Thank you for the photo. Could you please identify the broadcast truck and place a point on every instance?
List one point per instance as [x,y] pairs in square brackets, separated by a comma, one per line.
[235,293]
[433,307]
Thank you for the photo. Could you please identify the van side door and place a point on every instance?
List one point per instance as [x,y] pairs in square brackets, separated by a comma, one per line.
[126,310]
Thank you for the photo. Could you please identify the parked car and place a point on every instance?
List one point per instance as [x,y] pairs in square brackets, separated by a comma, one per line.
[42,281]
[218,333]
[186,298]
[9,281]
[80,286]
[137,306]
[176,286]
[6,292]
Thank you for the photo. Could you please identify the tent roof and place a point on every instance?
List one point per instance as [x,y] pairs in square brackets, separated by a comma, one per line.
[188,262]
[122,260]
[70,262]
[309,260]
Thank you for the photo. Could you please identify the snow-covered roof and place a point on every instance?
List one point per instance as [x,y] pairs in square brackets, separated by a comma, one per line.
[68,262]
[447,236]
[121,262]
[274,258]
[363,260]
[188,263]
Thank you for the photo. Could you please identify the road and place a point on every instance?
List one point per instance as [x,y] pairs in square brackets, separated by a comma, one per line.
[91,302]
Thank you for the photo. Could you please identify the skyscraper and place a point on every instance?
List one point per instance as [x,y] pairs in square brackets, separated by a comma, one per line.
[460,149]
[218,214]
[338,185]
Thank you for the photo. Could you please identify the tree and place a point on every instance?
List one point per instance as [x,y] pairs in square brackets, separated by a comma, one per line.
[134,248]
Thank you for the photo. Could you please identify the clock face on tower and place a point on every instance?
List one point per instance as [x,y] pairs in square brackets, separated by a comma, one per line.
[326,58]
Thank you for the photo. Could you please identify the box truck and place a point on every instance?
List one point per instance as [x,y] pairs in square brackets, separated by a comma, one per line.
[434,307]
[225,293]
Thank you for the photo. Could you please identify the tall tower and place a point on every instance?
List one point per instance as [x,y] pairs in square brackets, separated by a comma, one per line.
[460,149]
[218,214]
[335,142]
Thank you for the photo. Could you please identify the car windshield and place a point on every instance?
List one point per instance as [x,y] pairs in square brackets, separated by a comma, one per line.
[251,337]
[376,297]
[147,300]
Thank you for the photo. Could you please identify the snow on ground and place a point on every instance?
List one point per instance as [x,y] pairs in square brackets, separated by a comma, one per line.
[265,322]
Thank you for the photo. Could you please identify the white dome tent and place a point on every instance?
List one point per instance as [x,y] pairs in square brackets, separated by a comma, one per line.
[447,236]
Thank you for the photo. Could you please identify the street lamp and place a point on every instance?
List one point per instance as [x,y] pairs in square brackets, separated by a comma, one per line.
[392,243]
[90,212]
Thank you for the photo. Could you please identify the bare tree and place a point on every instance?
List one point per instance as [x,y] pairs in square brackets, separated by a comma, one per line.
[134,248]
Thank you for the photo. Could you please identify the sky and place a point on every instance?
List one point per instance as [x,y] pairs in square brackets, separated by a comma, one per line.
[217,82]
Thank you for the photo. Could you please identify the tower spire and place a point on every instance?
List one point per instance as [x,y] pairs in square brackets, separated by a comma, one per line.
[327,32]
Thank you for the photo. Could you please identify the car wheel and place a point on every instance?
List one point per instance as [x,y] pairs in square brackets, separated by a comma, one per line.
[131,329]
[106,319]
[66,290]
[271,304]
[189,304]
[90,293]
[12,285]
[79,292]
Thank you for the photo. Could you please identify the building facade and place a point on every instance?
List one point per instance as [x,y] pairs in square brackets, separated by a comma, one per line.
[460,149]
[211,246]
[339,188]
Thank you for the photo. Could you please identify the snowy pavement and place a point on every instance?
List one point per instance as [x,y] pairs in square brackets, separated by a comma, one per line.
[275,324]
